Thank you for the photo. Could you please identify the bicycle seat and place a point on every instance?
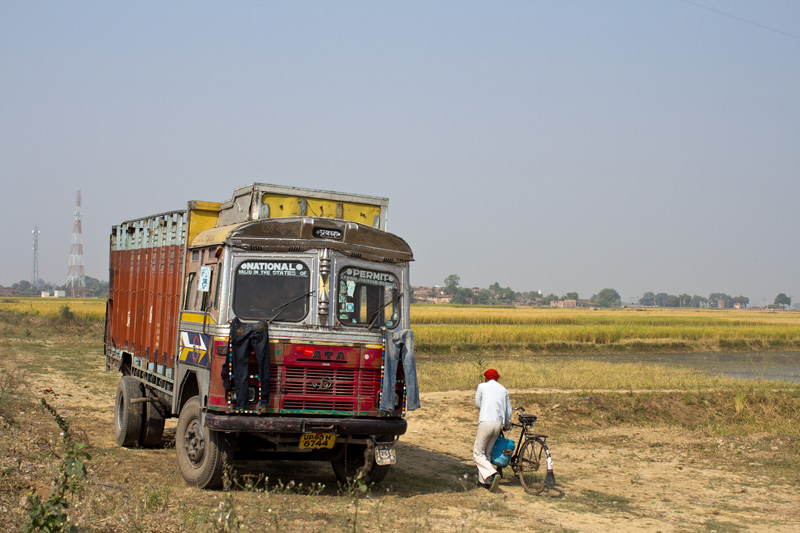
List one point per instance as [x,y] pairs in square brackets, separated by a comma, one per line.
[526,419]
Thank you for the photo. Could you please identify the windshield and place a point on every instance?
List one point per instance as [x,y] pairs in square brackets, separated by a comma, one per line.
[261,288]
[368,298]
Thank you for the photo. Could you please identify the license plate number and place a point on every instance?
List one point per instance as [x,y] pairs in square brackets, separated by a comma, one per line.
[385,454]
[317,440]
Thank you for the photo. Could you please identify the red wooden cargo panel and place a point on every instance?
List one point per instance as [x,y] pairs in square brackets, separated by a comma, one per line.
[144,295]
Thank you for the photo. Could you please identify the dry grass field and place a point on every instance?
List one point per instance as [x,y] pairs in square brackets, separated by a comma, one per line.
[636,448]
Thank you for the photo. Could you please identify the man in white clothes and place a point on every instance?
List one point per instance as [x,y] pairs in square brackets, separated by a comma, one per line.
[492,399]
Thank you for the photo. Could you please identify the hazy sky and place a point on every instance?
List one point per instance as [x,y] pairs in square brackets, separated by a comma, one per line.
[554,145]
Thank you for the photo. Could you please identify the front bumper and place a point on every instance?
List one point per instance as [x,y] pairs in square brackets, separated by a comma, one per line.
[277,424]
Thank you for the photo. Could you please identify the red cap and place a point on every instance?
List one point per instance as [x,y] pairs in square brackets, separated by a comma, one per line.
[491,374]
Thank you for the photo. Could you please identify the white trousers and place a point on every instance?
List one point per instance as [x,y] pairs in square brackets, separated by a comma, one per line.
[484,441]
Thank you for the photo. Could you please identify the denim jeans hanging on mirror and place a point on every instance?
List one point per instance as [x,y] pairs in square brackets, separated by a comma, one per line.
[247,338]
[399,350]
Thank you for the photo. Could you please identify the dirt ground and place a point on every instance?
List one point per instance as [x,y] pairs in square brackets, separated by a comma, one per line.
[619,478]
[608,478]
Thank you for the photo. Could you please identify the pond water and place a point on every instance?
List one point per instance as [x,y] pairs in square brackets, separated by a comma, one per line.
[762,365]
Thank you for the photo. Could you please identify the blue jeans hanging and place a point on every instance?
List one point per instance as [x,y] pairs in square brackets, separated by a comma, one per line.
[247,339]
[399,347]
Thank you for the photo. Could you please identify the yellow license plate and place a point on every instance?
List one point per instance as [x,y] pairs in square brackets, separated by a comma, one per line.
[317,440]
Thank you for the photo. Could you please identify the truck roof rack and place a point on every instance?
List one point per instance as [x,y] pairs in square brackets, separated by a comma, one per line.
[262,200]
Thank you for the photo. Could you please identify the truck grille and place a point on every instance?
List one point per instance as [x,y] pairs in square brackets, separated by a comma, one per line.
[320,381]
[327,389]
[370,382]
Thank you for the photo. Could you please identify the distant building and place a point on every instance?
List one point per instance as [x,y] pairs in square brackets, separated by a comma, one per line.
[55,294]
[431,295]
[8,291]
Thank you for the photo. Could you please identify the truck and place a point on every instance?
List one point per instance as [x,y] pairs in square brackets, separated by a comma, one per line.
[274,326]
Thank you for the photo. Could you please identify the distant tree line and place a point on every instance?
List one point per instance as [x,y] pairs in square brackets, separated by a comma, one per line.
[95,288]
[550,298]
[496,294]
[715,299]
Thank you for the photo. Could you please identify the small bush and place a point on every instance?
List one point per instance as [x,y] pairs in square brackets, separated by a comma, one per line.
[66,314]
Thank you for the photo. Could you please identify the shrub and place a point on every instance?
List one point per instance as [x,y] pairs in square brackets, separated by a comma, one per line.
[65,313]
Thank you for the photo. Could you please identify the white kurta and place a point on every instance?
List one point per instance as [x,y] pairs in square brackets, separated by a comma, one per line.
[492,399]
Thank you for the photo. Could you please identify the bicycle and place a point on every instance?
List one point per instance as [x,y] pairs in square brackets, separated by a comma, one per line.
[526,460]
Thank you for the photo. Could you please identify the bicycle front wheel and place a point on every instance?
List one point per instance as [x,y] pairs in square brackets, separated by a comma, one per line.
[532,466]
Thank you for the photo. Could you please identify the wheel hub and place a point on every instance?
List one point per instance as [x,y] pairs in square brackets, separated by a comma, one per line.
[195,442]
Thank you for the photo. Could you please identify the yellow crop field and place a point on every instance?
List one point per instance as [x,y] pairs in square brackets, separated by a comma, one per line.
[454,329]
[448,329]
[85,308]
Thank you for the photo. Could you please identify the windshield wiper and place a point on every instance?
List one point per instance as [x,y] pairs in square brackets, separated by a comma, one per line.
[283,308]
[375,315]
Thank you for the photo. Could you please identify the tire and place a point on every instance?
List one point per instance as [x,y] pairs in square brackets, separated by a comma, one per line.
[359,458]
[532,466]
[128,417]
[153,424]
[199,450]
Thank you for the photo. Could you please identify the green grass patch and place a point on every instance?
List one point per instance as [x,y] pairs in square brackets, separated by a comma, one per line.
[464,372]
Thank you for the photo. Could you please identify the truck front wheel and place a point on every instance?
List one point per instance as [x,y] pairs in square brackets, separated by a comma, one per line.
[200,451]
[128,417]
[359,458]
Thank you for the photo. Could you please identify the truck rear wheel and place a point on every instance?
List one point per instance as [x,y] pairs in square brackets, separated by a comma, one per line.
[128,417]
[153,426]
[358,458]
[200,451]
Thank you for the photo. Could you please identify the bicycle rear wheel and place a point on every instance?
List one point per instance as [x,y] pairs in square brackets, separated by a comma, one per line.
[532,466]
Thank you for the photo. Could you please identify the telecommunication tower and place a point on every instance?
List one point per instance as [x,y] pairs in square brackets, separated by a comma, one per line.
[76,279]
[35,278]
